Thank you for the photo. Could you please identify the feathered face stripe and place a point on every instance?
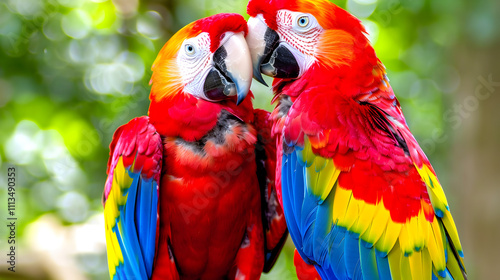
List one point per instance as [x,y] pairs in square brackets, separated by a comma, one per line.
[329,15]
[166,80]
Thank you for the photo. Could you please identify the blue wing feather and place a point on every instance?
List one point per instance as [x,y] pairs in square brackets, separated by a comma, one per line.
[337,255]
[131,246]
[135,228]
[384,271]
[368,262]
[336,252]
[131,200]
[146,211]
[351,250]
[287,169]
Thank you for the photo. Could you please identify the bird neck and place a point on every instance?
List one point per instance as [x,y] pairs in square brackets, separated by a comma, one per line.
[191,118]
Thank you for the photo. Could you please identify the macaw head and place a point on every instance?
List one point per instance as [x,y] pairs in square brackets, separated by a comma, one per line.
[286,37]
[203,69]
[208,59]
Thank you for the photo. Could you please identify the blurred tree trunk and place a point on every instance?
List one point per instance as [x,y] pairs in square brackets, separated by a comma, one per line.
[476,158]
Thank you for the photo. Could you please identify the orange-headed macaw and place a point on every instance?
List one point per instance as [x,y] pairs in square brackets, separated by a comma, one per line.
[190,189]
[361,199]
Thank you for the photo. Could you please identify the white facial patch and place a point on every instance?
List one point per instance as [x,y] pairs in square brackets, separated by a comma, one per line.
[193,60]
[301,32]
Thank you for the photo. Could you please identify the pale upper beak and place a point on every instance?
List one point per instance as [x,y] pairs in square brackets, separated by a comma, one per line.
[269,55]
[232,71]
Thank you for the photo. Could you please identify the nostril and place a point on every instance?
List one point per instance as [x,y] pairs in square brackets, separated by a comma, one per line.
[222,36]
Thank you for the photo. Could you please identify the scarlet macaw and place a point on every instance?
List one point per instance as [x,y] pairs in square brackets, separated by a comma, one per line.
[361,199]
[190,188]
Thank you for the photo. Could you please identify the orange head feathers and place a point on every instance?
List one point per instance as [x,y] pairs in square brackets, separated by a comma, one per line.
[288,38]
[328,15]
[204,68]
[167,79]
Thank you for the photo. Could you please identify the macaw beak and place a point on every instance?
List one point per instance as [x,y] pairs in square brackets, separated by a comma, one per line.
[231,74]
[269,56]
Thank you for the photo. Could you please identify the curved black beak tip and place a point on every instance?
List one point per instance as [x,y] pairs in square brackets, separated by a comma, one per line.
[240,99]
[257,75]
[282,64]
[231,74]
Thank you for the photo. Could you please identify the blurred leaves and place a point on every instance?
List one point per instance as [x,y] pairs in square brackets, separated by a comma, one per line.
[71,72]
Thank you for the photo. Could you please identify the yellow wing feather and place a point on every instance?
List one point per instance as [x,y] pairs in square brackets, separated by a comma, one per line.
[440,205]
[395,262]
[116,198]
[415,249]
[378,224]
[416,265]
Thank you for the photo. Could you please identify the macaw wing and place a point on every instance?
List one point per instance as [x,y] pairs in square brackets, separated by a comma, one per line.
[274,220]
[352,238]
[454,253]
[355,219]
[452,246]
[130,200]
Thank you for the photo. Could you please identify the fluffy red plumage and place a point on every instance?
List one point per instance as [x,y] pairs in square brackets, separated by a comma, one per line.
[210,198]
[218,217]
[347,161]
[356,92]
[361,143]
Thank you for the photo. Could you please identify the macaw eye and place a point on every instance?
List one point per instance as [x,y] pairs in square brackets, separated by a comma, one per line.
[190,49]
[303,21]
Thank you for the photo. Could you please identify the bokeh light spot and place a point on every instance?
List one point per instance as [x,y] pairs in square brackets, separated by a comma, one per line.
[361,9]
[27,7]
[117,77]
[149,25]
[10,24]
[21,147]
[45,194]
[76,24]
[52,28]
[366,2]
[71,3]
[372,30]
[73,207]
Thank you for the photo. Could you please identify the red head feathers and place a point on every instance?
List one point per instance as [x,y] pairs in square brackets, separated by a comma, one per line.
[304,35]
[329,15]
[204,68]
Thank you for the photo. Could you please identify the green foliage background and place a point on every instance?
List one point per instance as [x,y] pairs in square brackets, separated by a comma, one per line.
[71,72]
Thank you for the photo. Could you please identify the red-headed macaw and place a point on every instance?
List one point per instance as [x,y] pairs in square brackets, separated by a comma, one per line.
[190,189]
[361,199]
